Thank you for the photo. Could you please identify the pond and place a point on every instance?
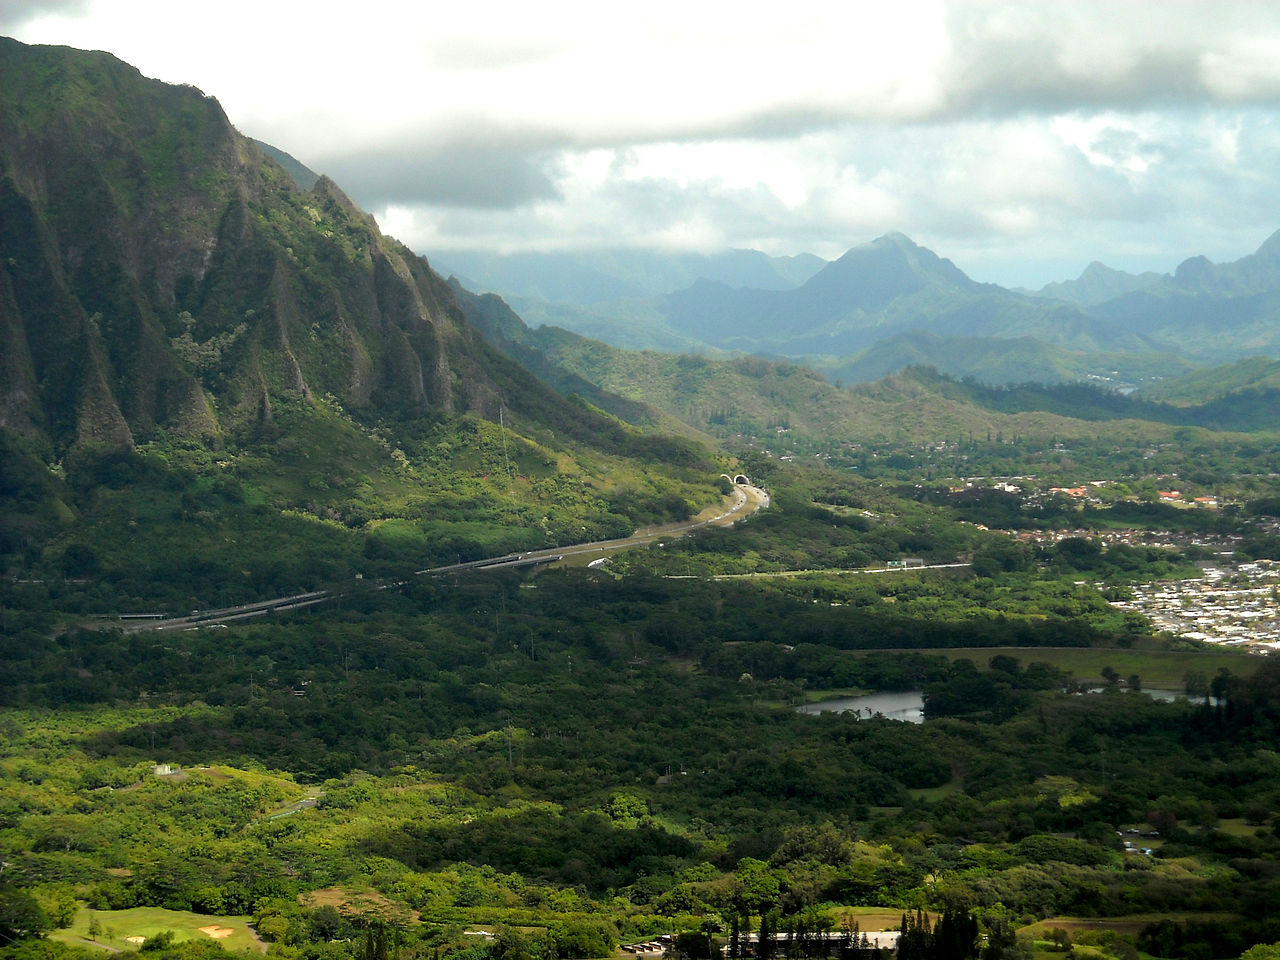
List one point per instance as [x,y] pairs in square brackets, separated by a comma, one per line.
[905,705]
[1155,693]
[908,705]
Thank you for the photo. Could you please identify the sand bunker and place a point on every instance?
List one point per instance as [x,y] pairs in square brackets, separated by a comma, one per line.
[135,939]
[216,931]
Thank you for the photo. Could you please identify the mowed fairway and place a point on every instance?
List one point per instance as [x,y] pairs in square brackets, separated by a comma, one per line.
[120,928]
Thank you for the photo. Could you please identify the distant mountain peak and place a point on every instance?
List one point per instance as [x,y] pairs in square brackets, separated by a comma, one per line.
[891,244]
[890,266]
[897,239]
[886,242]
[1192,269]
[1097,268]
[1270,248]
[1099,283]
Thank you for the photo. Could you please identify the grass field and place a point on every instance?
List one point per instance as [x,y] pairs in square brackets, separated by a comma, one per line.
[834,693]
[1238,827]
[934,794]
[118,926]
[870,919]
[360,902]
[1131,924]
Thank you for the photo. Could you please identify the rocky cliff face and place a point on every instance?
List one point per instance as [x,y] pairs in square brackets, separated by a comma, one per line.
[159,271]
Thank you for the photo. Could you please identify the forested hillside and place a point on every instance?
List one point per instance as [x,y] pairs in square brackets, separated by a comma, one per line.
[218,385]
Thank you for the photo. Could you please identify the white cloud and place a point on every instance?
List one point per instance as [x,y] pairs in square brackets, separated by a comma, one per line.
[1046,131]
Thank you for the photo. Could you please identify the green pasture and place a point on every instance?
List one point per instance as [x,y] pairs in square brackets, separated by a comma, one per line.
[117,926]
[1085,930]
[934,794]
[871,919]
[1238,827]
[834,693]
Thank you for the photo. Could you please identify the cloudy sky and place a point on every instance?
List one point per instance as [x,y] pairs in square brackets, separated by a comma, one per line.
[1022,140]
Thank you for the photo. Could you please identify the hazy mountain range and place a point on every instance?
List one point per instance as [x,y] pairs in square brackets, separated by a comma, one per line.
[891,303]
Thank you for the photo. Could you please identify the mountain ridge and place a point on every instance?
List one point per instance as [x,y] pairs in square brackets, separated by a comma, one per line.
[847,317]
[1254,273]
[882,288]
[609,275]
[160,271]
[212,379]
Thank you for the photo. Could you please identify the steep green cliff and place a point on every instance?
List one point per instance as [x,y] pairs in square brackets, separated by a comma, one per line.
[197,353]
[160,271]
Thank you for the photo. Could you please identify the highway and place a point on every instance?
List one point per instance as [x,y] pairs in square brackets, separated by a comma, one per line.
[747,500]
[843,572]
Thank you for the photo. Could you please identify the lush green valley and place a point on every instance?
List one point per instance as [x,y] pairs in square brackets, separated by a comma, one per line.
[576,758]
[222,384]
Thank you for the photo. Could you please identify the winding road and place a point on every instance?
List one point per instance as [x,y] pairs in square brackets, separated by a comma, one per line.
[747,500]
